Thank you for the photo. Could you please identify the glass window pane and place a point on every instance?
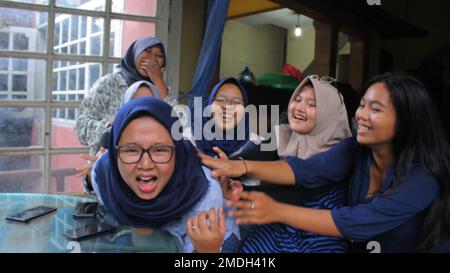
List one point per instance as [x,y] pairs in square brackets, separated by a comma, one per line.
[65,30]
[80,29]
[63,81]
[4,40]
[71,78]
[3,82]
[81,78]
[26,76]
[111,67]
[21,174]
[21,30]
[4,64]
[96,46]
[131,31]
[63,173]
[21,127]
[94,74]
[19,83]
[136,7]
[98,5]
[20,42]
[39,2]
[20,64]
[62,132]
[74,27]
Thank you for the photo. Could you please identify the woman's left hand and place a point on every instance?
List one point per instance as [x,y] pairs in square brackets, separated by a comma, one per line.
[254,208]
[207,238]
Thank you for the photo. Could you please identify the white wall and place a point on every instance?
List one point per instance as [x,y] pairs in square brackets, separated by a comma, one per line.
[258,47]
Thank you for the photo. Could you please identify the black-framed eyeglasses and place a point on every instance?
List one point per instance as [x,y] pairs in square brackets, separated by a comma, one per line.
[130,154]
[323,79]
[221,100]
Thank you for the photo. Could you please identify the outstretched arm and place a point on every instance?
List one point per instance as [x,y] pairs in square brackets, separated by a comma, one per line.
[259,208]
[277,172]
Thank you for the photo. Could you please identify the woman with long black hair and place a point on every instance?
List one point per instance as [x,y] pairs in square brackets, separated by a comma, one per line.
[398,166]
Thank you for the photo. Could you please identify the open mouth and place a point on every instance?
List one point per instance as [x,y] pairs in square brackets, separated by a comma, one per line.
[298,116]
[146,184]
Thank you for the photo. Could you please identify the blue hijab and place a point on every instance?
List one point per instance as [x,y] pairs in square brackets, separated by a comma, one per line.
[227,146]
[184,190]
[128,64]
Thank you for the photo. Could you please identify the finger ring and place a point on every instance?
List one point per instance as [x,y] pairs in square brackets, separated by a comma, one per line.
[253,206]
[194,227]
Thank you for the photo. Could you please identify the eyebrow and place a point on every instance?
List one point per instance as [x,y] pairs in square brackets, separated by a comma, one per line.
[372,102]
[154,144]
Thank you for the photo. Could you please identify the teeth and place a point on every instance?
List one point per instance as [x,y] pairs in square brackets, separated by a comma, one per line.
[364,128]
[297,116]
[146,179]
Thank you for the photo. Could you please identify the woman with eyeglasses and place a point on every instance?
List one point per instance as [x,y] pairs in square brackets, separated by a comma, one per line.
[317,120]
[399,169]
[148,180]
[227,131]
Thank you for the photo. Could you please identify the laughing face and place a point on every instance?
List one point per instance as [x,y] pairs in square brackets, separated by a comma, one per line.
[376,117]
[228,107]
[152,54]
[302,111]
[146,178]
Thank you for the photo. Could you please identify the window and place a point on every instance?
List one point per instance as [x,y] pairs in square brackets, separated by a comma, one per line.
[39,149]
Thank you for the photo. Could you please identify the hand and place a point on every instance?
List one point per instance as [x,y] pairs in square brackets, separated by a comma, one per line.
[222,167]
[154,71]
[207,238]
[87,167]
[254,208]
[230,189]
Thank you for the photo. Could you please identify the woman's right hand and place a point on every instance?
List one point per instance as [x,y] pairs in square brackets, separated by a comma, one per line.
[87,167]
[222,167]
[206,231]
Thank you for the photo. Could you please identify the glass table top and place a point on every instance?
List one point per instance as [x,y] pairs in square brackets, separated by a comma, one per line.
[45,234]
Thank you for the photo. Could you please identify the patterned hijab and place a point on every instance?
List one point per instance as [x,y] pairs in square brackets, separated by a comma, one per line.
[127,66]
[330,128]
[227,146]
[184,190]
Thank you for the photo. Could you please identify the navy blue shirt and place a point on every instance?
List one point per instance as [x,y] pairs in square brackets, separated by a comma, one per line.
[393,218]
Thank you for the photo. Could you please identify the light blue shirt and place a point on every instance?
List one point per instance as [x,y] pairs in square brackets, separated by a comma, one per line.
[212,199]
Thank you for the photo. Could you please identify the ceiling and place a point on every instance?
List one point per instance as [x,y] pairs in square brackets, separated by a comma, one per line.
[284,18]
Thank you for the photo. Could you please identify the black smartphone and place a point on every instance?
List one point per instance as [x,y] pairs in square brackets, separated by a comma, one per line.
[85,210]
[30,214]
[88,230]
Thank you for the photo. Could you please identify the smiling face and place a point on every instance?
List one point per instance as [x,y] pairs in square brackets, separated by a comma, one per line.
[150,54]
[376,117]
[228,107]
[302,111]
[146,178]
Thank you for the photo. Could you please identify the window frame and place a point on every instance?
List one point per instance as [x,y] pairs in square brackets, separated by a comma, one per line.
[161,21]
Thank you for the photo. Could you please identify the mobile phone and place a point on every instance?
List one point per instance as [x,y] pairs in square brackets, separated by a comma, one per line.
[30,214]
[85,210]
[88,230]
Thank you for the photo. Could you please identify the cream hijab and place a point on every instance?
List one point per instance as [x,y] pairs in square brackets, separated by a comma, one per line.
[330,128]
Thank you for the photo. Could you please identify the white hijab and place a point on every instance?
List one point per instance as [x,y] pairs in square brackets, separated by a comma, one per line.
[131,91]
[330,128]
